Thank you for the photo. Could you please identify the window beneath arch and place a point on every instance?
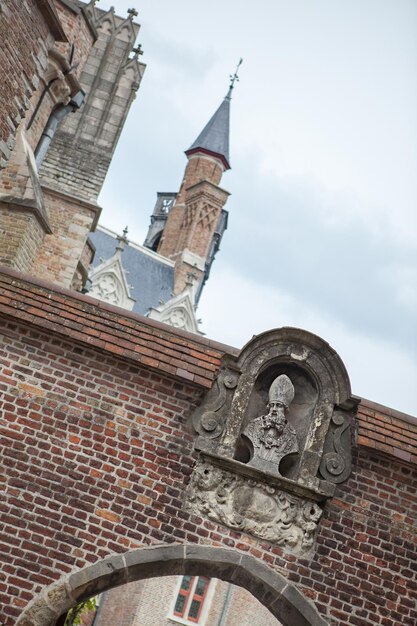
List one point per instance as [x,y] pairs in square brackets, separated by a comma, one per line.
[192,599]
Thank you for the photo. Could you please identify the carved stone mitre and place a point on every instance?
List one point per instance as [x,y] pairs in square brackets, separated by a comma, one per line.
[271,436]
[281,391]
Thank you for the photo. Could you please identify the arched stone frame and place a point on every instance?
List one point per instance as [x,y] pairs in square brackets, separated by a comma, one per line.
[273,590]
[221,418]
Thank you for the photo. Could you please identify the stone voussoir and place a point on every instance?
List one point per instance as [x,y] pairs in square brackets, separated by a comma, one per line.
[164,560]
[111,572]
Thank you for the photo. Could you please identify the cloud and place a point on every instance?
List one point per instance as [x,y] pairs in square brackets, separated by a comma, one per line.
[280,235]
[323,230]
[234,308]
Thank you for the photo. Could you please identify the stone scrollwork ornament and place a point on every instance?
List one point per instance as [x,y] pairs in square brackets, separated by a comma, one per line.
[209,421]
[254,507]
[271,437]
[336,463]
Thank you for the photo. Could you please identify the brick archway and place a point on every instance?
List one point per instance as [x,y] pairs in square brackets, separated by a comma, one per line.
[281,597]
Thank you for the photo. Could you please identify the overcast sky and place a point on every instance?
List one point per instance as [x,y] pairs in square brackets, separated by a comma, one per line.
[322,218]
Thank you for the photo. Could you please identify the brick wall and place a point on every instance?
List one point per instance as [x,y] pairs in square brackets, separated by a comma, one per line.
[26,39]
[28,31]
[80,33]
[97,452]
[70,221]
[79,38]
[120,605]
[21,235]
[31,66]
[200,168]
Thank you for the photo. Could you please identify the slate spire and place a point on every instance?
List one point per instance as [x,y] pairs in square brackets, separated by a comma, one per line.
[214,138]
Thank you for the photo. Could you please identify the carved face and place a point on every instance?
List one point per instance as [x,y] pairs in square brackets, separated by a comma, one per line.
[276,416]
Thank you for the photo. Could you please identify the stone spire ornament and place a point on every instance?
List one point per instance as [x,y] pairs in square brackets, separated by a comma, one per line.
[271,437]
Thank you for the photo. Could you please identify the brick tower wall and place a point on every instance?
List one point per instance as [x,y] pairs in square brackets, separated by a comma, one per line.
[26,39]
[38,40]
[199,168]
[83,146]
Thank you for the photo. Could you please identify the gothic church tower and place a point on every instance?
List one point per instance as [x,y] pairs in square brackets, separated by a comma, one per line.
[190,232]
[163,279]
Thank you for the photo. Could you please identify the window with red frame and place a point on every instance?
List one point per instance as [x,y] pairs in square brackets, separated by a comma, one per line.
[190,598]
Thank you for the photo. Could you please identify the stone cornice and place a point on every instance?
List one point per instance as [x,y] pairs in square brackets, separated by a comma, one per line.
[71,199]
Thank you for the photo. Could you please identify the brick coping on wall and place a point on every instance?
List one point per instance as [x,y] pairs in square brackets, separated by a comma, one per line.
[186,356]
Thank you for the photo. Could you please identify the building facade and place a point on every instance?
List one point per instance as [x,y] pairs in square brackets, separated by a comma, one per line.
[77,80]
[185,600]
[133,449]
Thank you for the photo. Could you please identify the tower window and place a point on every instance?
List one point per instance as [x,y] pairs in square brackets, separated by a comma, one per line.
[190,598]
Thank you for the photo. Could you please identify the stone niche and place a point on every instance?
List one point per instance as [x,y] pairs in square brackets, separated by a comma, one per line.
[274,438]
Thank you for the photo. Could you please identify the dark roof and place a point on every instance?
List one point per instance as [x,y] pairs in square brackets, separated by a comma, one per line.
[214,138]
[151,278]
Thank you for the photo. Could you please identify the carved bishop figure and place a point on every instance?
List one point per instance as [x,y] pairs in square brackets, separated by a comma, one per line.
[271,436]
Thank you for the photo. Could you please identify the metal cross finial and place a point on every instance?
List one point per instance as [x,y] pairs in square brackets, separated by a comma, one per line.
[122,241]
[234,77]
[138,50]
[132,12]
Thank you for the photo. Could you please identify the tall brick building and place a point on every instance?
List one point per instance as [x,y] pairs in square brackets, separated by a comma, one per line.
[77,76]
[133,449]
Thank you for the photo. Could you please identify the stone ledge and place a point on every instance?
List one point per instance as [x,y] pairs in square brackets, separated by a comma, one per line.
[14,203]
[75,200]
[325,491]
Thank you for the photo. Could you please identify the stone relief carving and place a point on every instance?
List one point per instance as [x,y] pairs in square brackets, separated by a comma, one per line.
[108,279]
[263,472]
[107,287]
[254,507]
[336,463]
[178,311]
[178,318]
[271,436]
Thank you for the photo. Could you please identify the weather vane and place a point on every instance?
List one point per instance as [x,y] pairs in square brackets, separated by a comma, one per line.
[234,77]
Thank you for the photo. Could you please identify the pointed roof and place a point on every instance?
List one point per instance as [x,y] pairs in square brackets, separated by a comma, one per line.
[214,138]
